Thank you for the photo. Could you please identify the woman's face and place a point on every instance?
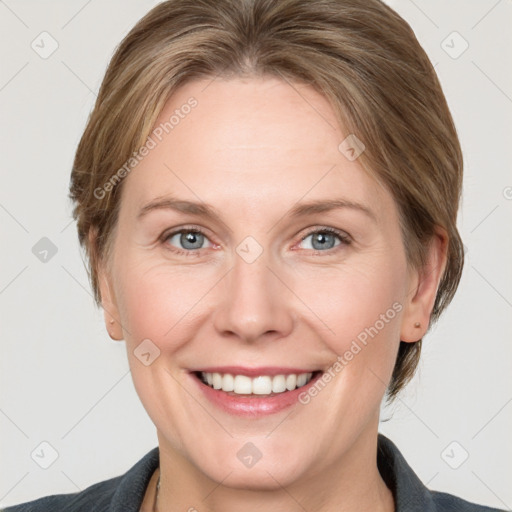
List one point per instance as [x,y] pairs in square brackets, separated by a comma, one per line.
[263,287]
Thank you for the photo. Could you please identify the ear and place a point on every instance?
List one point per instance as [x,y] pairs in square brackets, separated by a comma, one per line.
[108,301]
[423,285]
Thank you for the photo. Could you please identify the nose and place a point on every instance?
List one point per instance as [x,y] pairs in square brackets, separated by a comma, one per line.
[255,302]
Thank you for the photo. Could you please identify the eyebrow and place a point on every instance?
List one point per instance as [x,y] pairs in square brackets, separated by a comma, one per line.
[208,211]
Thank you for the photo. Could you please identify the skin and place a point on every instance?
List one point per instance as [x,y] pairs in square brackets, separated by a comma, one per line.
[252,149]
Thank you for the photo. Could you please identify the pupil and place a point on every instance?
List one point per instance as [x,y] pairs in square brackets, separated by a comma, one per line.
[191,238]
[321,238]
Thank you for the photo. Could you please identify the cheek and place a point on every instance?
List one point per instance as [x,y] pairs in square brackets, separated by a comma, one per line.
[350,299]
[358,311]
[160,302]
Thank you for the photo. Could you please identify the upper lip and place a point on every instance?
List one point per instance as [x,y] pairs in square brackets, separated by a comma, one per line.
[255,372]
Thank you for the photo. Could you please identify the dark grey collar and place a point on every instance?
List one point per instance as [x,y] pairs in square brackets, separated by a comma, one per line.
[409,492]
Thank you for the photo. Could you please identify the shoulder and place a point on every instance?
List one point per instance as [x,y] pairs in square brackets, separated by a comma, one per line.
[409,492]
[119,494]
[95,498]
[450,503]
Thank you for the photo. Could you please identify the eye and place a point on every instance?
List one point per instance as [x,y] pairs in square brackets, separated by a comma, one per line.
[189,241]
[323,240]
[185,240]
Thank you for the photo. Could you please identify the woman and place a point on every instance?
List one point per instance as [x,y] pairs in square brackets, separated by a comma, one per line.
[267,193]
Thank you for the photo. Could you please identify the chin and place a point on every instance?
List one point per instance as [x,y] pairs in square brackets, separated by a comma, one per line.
[261,479]
[266,474]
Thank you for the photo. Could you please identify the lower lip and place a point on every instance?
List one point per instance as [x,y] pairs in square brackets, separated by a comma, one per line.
[253,405]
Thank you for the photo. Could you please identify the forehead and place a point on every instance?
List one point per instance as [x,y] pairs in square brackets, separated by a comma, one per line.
[249,140]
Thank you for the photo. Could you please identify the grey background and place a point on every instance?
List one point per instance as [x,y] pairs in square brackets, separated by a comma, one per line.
[64,382]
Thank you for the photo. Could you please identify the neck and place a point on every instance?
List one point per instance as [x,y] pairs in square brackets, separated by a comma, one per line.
[353,483]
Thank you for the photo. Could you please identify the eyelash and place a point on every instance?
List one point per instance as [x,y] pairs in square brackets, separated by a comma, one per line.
[344,239]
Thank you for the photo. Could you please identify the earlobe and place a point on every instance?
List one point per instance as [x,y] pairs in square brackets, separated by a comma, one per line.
[423,291]
[108,302]
[110,310]
[113,329]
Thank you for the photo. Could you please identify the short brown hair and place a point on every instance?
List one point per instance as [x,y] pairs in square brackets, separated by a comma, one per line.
[360,54]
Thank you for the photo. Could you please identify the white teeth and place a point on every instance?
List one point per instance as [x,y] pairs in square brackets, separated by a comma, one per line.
[228,382]
[291,382]
[261,385]
[301,380]
[217,381]
[242,385]
[278,384]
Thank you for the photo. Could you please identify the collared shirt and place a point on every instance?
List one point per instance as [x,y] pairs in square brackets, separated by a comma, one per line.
[125,493]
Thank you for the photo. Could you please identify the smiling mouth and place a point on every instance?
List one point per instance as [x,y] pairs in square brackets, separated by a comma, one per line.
[262,385]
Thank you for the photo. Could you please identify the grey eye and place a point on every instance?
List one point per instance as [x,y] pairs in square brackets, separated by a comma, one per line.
[187,239]
[322,240]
